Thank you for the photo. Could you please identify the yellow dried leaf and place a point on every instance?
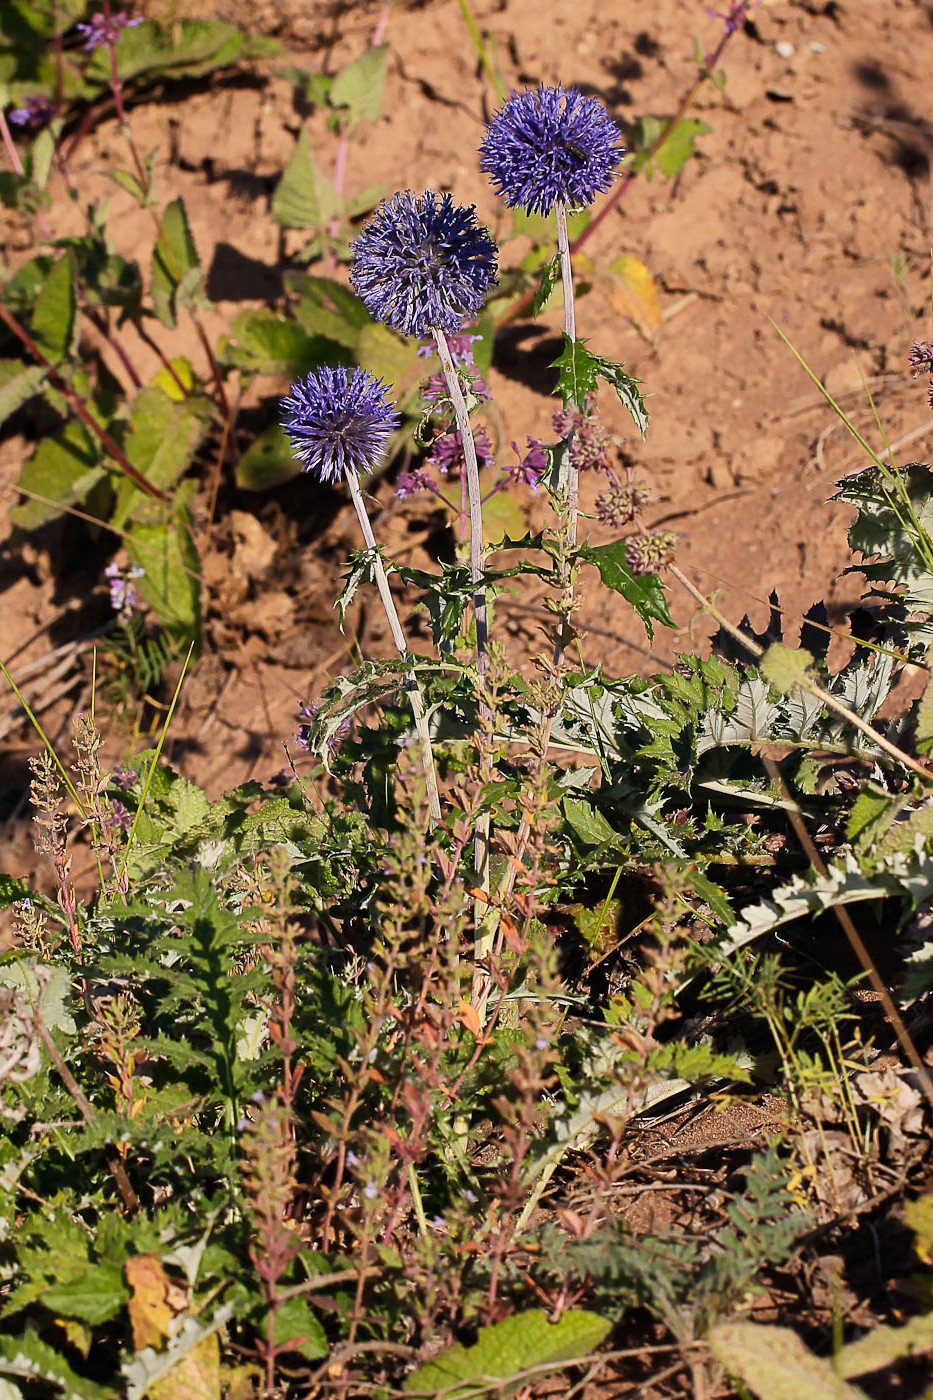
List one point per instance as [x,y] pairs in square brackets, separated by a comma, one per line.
[196,1375]
[634,292]
[151,1313]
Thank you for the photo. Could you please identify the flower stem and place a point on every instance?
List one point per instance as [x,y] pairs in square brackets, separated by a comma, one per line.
[570,475]
[483,937]
[465,429]
[415,697]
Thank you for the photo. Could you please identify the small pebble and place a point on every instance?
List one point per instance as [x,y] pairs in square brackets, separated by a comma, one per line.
[816,47]
[784,49]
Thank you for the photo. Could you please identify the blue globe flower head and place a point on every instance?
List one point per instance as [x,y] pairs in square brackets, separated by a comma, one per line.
[548,145]
[338,421]
[423,262]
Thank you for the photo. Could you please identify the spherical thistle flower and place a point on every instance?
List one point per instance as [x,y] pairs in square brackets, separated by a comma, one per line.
[920,358]
[591,445]
[622,501]
[550,145]
[423,263]
[338,421]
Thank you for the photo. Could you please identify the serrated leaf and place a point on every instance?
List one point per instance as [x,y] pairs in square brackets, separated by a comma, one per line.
[12,890]
[62,471]
[645,592]
[507,1349]
[580,370]
[53,315]
[775,1364]
[587,823]
[304,197]
[360,85]
[162,439]
[267,462]
[94,1297]
[176,270]
[33,1359]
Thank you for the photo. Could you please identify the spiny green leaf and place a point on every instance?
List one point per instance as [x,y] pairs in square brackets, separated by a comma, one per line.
[94,1297]
[33,1359]
[645,592]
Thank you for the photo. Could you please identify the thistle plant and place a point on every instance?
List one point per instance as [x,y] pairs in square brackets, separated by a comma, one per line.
[339,424]
[550,149]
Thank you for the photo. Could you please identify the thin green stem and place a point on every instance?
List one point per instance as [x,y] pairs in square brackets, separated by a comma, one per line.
[415,698]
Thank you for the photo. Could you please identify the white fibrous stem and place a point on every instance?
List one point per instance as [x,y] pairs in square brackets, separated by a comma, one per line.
[415,698]
[570,476]
[483,935]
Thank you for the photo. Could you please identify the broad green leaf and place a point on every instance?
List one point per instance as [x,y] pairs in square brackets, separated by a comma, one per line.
[176,271]
[53,316]
[267,462]
[327,308]
[507,1349]
[784,667]
[94,1297]
[883,1346]
[19,382]
[775,1364]
[185,49]
[387,356]
[47,987]
[171,584]
[162,438]
[168,383]
[502,515]
[264,342]
[62,471]
[360,85]
[679,146]
[645,592]
[304,197]
[297,1328]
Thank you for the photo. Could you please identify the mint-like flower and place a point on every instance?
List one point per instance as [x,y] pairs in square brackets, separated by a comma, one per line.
[548,146]
[423,263]
[338,421]
[104,31]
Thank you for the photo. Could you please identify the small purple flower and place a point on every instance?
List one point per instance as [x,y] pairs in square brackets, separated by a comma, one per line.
[446,454]
[104,31]
[530,468]
[370,1190]
[733,18]
[590,445]
[436,392]
[124,777]
[460,346]
[550,145]
[119,818]
[648,553]
[307,715]
[413,483]
[423,262]
[36,111]
[124,595]
[339,421]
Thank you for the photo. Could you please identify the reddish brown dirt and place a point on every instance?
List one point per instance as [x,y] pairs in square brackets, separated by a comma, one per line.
[809,202]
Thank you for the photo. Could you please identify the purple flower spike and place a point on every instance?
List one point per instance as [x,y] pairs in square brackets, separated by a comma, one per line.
[550,145]
[423,263]
[105,31]
[36,111]
[339,421]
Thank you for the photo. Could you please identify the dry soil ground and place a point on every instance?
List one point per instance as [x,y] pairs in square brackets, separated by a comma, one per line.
[808,202]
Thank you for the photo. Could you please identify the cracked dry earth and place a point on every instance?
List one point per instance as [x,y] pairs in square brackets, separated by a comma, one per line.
[808,204]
